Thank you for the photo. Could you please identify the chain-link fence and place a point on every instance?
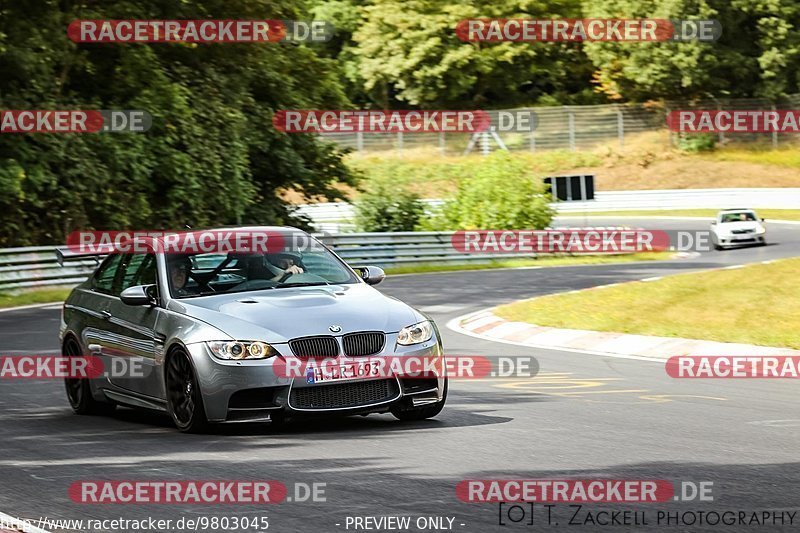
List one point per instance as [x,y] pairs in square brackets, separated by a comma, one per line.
[571,128]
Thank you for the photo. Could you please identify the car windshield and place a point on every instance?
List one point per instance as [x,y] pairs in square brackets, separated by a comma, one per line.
[218,273]
[741,216]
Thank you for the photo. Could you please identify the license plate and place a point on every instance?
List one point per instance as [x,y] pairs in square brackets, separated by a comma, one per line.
[349,371]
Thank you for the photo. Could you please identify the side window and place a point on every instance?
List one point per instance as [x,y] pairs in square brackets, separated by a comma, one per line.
[103,280]
[140,269]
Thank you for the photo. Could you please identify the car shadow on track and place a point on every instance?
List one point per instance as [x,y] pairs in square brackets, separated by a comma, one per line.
[321,427]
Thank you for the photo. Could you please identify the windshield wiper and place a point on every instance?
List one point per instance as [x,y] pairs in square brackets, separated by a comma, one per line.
[303,284]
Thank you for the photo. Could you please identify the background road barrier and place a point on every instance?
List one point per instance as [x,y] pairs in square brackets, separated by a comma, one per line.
[37,266]
[335,217]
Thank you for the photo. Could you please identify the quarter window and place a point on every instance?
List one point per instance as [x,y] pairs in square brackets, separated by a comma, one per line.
[104,277]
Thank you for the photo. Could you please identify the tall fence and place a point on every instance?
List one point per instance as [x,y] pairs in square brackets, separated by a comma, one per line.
[570,128]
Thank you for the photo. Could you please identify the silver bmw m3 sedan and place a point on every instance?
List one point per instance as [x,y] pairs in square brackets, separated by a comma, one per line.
[219,336]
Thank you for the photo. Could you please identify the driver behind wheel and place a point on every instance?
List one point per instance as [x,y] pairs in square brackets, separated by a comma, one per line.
[282,265]
[179,270]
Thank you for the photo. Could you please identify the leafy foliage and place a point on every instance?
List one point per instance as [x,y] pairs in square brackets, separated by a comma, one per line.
[406,53]
[757,55]
[698,142]
[212,156]
[499,193]
[388,209]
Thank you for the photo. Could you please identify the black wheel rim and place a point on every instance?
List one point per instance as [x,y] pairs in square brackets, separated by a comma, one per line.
[181,388]
[74,385]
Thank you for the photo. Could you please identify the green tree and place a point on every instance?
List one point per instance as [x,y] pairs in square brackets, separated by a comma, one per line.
[212,156]
[406,53]
[386,208]
[499,193]
[757,54]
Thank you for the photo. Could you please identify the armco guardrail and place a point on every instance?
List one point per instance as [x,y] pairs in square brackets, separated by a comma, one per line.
[398,248]
[37,266]
[337,216]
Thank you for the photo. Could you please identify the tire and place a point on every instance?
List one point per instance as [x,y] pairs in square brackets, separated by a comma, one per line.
[184,401]
[79,390]
[410,414]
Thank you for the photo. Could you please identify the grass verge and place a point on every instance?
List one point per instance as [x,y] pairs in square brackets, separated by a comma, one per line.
[36,296]
[757,304]
[523,262]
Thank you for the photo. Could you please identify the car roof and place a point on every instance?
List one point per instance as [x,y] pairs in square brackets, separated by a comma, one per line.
[264,229]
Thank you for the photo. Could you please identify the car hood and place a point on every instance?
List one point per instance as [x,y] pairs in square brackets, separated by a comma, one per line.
[277,315]
[750,224]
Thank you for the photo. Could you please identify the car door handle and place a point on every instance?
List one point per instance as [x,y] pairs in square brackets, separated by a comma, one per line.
[105,314]
[95,349]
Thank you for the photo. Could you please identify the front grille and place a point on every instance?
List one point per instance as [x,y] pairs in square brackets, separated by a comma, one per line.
[742,231]
[343,395]
[324,346]
[363,344]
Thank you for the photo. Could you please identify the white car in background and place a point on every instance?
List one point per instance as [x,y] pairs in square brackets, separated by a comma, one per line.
[737,227]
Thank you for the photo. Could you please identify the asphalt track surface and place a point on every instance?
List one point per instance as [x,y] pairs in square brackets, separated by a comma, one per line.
[582,416]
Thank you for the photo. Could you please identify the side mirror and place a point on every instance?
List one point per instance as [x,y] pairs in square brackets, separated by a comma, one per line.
[763,220]
[138,295]
[372,275]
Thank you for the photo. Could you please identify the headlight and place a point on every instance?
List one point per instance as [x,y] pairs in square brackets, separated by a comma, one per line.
[237,350]
[761,230]
[415,334]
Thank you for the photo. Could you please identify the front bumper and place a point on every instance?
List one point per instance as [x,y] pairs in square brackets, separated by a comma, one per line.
[742,239]
[252,390]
